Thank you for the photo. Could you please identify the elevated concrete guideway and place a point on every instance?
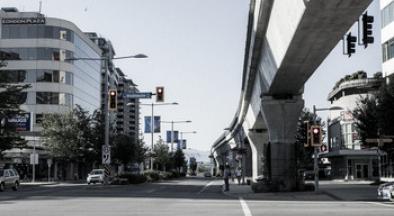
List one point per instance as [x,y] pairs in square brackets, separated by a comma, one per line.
[286,42]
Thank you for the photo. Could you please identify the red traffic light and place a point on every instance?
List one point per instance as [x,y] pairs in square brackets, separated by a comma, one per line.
[316,135]
[112,99]
[160,94]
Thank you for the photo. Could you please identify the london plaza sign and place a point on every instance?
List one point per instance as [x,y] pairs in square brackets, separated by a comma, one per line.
[28,20]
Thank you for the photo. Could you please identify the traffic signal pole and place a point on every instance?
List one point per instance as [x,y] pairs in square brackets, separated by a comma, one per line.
[315,156]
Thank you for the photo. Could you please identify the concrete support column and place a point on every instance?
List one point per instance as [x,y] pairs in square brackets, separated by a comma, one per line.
[258,144]
[281,117]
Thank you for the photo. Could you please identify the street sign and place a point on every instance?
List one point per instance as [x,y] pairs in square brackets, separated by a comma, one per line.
[137,95]
[385,140]
[106,154]
[33,159]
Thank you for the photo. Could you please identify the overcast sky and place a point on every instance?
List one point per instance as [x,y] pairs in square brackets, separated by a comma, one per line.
[196,50]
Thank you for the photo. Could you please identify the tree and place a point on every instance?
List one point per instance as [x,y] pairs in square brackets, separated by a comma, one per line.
[374,115]
[178,159]
[11,96]
[69,135]
[162,155]
[366,118]
[61,135]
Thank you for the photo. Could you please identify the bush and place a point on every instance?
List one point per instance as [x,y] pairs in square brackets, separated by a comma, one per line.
[134,179]
[152,176]
[167,175]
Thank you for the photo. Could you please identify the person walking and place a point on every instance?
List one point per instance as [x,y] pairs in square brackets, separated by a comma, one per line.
[226,176]
[238,174]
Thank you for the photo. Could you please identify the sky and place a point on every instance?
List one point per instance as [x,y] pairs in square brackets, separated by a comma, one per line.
[196,51]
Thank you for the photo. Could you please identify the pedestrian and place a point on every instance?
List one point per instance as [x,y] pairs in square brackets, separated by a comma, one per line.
[238,174]
[226,176]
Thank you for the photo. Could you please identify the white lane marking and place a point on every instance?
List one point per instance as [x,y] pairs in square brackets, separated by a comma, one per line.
[205,187]
[245,207]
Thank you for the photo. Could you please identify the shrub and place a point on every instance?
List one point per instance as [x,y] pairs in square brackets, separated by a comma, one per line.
[152,175]
[166,175]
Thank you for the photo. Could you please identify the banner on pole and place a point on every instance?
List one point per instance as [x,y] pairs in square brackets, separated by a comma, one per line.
[181,144]
[175,135]
[148,123]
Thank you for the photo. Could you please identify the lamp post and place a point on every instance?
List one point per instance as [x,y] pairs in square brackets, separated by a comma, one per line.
[187,132]
[172,130]
[105,62]
[315,154]
[152,126]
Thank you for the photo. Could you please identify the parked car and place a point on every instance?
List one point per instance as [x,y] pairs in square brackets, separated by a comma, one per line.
[386,191]
[9,178]
[96,176]
[207,174]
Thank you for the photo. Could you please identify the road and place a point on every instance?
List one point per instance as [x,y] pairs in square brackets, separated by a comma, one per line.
[190,196]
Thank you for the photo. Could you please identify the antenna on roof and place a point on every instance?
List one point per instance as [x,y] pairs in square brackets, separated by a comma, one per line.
[40,7]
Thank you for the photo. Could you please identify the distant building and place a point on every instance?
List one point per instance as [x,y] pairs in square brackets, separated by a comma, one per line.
[387,15]
[108,52]
[36,49]
[128,113]
[348,158]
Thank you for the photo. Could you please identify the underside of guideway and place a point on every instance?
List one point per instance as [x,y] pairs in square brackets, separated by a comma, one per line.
[286,42]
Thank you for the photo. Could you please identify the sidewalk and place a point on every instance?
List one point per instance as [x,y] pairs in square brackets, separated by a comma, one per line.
[329,191]
[245,191]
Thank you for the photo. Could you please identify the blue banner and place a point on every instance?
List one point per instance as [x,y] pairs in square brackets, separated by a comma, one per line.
[147,124]
[181,144]
[169,136]
[156,124]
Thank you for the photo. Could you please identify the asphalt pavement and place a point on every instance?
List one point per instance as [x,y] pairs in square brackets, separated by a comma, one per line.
[188,196]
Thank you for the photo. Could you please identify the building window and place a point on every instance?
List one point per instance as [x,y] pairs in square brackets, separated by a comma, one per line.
[387,14]
[347,134]
[39,53]
[20,31]
[13,76]
[39,118]
[54,98]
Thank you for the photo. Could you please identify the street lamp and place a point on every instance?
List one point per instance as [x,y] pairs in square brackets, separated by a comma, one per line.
[152,122]
[315,154]
[105,62]
[172,130]
[187,132]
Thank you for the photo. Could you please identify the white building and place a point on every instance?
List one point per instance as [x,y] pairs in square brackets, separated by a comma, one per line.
[387,15]
[36,49]
[349,160]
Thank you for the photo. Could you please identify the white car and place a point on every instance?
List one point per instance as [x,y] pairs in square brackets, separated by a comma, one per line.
[96,176]
[9,178]
[386,191]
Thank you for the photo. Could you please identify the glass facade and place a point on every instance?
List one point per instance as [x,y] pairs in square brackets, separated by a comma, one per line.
[39,75]
[387,14]
[26,31]
[55,98]
[85,75]
[35,53]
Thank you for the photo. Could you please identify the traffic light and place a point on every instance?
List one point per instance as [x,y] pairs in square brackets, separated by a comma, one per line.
[112,99]
[160,94]
[367,29]
[351,44]
[316,135]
